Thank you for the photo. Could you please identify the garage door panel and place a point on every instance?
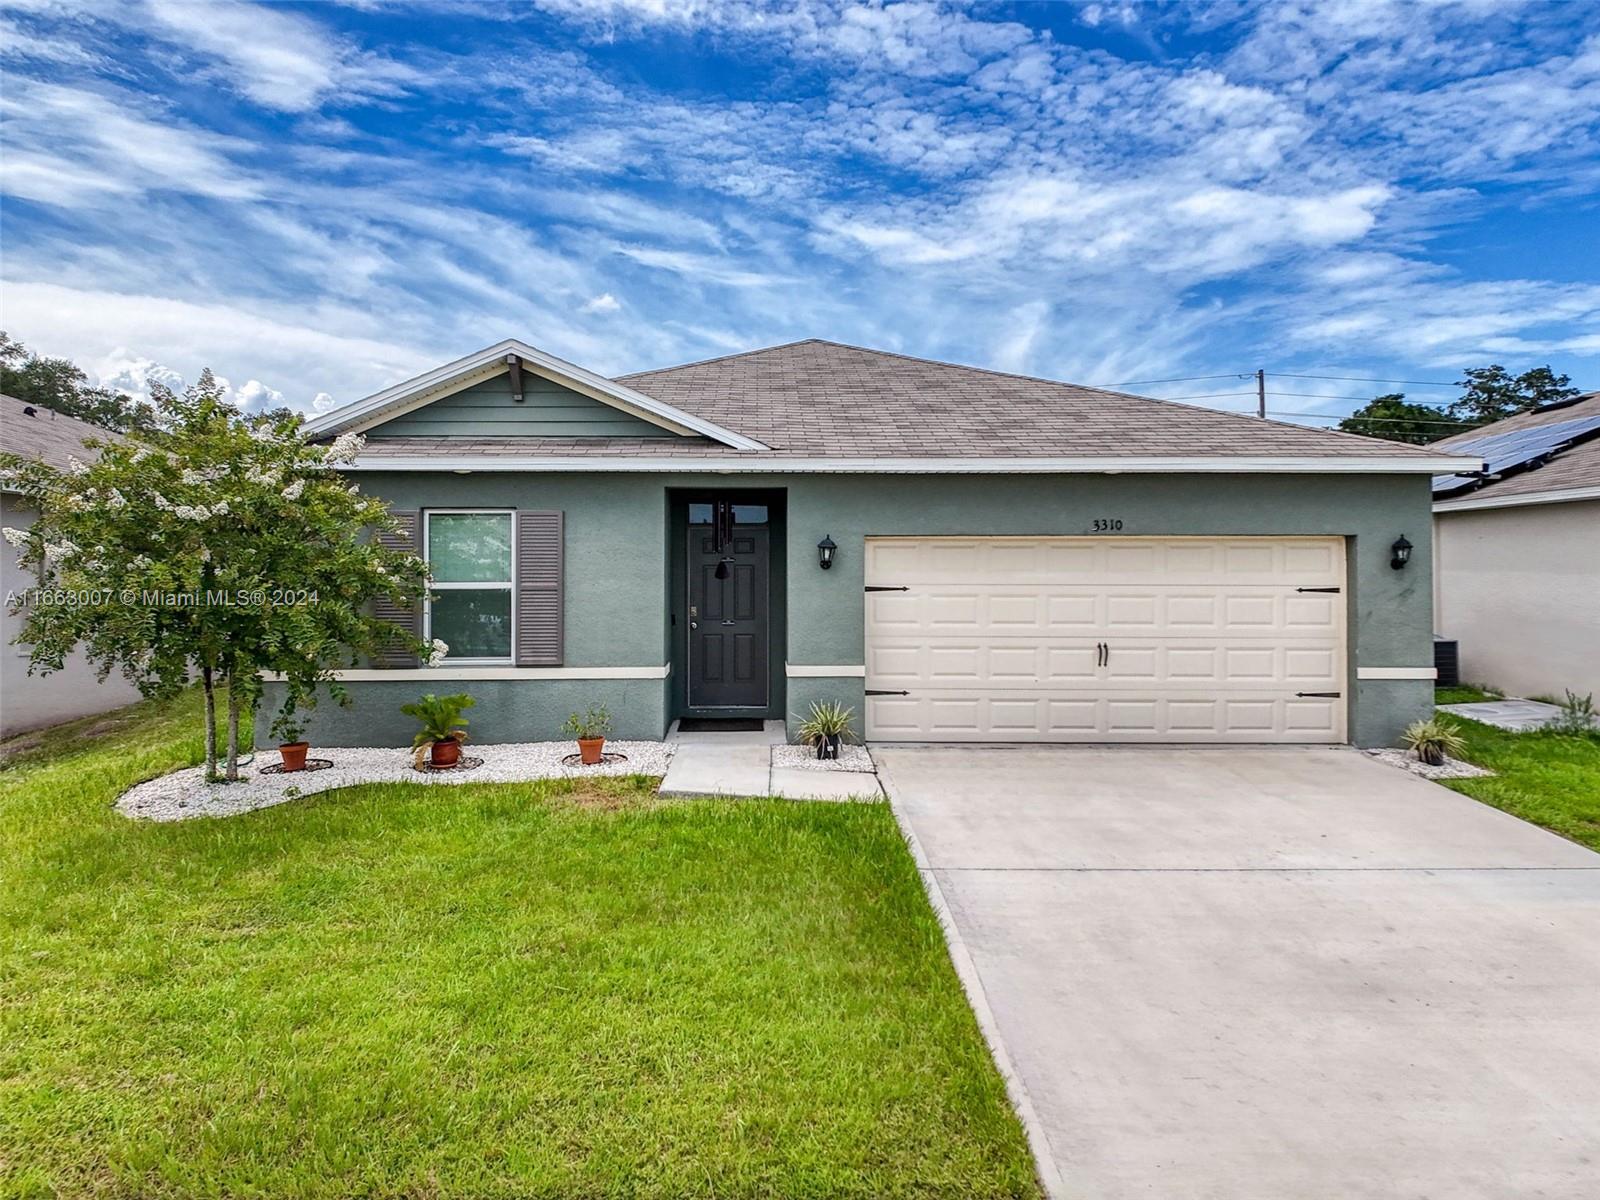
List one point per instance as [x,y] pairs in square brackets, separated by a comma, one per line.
[1133,718]
[1082,639]
[1105,561]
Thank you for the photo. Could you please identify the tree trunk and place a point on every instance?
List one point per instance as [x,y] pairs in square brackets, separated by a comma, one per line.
[233,729]
[211,723]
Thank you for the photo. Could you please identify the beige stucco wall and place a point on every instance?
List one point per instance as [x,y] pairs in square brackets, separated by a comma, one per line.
[1519,588]
[31,701]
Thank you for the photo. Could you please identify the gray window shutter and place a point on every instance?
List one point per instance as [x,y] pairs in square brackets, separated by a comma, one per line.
[408,618]
[540,554]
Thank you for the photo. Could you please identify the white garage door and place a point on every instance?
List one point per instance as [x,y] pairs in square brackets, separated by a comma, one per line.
[1105,639]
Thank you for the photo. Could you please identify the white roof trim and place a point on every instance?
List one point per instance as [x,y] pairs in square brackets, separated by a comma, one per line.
[1490,500]
[413,393]
[1086,464]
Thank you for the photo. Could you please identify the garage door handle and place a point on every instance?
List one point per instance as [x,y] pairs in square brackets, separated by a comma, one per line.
[878,692]
[872,588]
[1102,656]
[1334,590]
[1321,695]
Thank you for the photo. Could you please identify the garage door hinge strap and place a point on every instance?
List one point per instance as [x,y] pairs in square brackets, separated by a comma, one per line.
[877,692]
[1334,590]
[1322,695]
[874,588]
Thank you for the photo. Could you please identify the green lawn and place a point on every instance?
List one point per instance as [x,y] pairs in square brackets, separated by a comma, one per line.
[474,991]
[1547,778]
[1467,693]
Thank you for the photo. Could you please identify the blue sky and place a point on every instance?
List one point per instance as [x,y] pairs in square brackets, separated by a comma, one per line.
[320,200]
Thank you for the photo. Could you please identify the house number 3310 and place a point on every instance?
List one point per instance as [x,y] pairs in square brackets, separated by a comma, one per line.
[1107,524]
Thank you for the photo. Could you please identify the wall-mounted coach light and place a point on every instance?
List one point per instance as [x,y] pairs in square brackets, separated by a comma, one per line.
[1400,552]
[825,549]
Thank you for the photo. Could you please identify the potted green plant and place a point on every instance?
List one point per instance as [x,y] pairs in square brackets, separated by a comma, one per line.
[1432,740]
[289,728]
[441,734]
[590,728]
[828,724]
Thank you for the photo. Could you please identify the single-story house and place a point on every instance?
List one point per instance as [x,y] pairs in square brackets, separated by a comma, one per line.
[31,702]
[1517,551]
[958,554]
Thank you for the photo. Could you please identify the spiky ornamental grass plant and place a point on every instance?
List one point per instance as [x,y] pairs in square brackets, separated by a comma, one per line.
[223,549]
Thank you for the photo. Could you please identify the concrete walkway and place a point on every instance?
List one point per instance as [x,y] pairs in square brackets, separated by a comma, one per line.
[740,764]
[1518,715]
[1268,973]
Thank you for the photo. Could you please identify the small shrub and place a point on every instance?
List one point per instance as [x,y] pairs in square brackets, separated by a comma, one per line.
[593,723]
[1577,714]
[440,716]
[828,719]
[1431,741]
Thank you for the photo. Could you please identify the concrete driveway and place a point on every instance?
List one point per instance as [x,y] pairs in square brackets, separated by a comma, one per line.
[1281,973]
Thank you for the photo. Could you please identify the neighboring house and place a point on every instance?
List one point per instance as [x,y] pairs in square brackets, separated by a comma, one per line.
[1012,559]
[1517,552]
[28,702]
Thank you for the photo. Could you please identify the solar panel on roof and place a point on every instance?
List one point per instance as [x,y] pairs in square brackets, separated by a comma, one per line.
[1516,447]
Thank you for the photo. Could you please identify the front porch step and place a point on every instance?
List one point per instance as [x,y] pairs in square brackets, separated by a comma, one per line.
[707,768]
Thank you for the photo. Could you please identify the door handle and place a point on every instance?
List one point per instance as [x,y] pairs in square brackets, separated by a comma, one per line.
[694,624]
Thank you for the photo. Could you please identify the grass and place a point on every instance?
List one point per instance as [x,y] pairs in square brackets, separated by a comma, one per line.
[1550,779]
[496,990]
[1467,693]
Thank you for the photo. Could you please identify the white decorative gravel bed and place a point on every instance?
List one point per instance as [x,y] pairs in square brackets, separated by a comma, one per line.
[1451,768]
[851,758]
[185,794]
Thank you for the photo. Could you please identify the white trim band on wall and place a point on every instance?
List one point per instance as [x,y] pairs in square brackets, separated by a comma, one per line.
[371,674]
[1396,673]
[804,671]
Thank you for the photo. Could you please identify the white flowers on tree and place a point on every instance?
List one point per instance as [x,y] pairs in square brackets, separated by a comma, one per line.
[223,551]
[437,652]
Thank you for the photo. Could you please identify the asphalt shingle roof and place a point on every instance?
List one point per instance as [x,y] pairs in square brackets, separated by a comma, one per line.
[1577,466]
[818,399]
[825,398]
[46,434]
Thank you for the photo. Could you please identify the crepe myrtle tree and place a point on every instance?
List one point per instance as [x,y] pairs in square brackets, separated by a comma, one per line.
[232,550]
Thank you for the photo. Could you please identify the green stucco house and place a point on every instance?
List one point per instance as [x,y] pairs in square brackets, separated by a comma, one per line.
[959,554]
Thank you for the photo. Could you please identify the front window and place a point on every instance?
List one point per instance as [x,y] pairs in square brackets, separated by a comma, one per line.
[470,556]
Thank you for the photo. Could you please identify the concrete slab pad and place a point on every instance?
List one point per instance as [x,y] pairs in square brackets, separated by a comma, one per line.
[1251,973]
[796,784]
[1518,715]
[718,769]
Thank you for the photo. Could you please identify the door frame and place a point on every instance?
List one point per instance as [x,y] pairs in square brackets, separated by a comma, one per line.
[677,597]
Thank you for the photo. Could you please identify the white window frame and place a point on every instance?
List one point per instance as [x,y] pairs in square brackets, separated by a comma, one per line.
[450,660]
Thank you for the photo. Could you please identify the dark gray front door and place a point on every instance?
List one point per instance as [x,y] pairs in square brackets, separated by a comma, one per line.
[728,615]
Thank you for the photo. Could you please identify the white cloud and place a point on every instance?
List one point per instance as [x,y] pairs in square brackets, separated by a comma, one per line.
[276,58]
[605,302]
[256,396]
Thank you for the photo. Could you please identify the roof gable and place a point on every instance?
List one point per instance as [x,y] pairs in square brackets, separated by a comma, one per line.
[379,409]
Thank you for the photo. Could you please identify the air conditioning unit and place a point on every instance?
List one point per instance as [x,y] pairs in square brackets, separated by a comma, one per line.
[1447,662]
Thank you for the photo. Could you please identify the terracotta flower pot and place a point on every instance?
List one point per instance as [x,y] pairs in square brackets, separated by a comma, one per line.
[589,750]
[294,755]
[446,753]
